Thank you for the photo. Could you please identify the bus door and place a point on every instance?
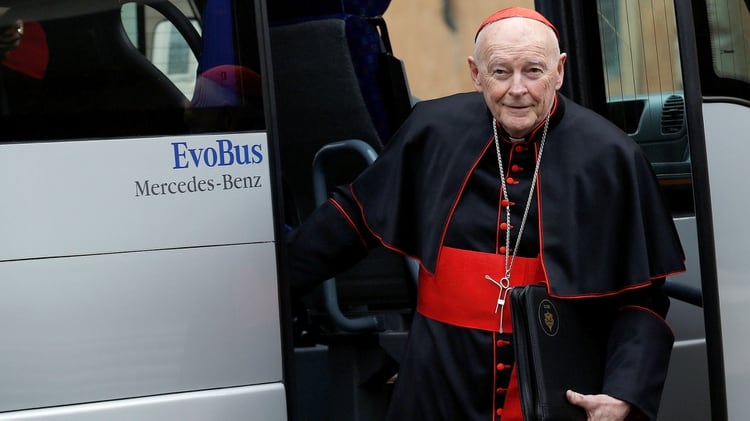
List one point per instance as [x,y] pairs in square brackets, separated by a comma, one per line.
[138,275]
[636,73]
[715,41]
[676,77]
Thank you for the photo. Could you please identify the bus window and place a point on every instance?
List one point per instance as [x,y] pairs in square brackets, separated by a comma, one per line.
[163,43]
[643,85]
[75,76]
[729,22]
[173,57]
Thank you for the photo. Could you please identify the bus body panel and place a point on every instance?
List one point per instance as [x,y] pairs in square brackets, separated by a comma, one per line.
[108,196]
[727,151]
[686,320]
[112,291]
[112,326]
[263,402]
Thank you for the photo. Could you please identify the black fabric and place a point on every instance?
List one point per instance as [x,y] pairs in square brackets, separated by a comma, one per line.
[432,385]
[480,200]
[594,181]
[319,251]
[638,352]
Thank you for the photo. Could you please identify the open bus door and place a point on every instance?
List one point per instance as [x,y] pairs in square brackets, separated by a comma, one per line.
[676,77]
[715,47]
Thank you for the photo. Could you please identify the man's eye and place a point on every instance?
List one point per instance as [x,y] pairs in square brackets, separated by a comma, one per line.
[535,73]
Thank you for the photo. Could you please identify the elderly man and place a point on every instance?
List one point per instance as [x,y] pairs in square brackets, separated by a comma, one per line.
[505,187]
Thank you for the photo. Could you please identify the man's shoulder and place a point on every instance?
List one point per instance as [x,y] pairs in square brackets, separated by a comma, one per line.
[588,120]
[470,102]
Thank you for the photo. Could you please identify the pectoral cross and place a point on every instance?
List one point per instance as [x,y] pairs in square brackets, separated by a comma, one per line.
[504,286]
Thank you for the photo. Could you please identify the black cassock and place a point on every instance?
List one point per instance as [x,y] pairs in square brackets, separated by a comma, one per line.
[604,233]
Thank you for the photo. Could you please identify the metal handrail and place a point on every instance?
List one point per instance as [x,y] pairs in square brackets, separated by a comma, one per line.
[320,194]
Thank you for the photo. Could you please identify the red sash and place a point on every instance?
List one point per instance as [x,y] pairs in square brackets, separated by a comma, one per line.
[459,294]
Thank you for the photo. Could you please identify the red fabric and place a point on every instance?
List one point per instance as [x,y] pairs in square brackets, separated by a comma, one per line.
[512,407]
[459,294]
[31,57]
[517,12]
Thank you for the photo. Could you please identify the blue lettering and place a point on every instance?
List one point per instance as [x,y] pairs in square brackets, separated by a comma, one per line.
[225,152]
[178,154]
[257,153]
[210,157]
[242,153]
[196,158]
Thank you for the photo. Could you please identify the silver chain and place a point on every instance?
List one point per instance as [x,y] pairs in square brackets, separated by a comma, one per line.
[509,264]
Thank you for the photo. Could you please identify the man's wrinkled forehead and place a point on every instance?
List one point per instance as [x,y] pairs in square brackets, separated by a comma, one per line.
[517,12]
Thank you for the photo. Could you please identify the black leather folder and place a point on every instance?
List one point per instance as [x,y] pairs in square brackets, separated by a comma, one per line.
[560,344]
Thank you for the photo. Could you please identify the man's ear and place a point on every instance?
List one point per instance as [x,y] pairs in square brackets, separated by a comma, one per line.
[474,73]
[561,70]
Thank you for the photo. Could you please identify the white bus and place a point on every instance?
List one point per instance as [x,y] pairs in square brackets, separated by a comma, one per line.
[153,153]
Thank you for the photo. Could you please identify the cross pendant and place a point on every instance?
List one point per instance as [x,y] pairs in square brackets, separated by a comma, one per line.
[504,285]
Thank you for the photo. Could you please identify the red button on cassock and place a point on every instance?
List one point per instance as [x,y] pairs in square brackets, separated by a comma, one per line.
[501,367]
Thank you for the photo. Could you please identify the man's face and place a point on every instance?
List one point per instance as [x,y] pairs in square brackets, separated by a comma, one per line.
[518,68]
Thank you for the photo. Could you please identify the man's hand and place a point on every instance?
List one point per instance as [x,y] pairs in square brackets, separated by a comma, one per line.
[600,407]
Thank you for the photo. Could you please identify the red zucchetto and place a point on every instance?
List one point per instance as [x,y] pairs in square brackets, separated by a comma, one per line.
[516,12]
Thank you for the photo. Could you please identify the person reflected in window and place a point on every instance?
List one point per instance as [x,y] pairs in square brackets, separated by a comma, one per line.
[25,57]
[226,98]
[10,37]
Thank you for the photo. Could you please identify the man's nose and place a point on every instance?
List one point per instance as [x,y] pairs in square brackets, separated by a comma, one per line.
[518,85]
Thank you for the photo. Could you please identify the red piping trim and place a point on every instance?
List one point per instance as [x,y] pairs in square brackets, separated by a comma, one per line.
[346,216]
[490,141]
[648,310]
[498,220]
[677,272]
[540,225]
[494,375]
[378,236]
[601,294]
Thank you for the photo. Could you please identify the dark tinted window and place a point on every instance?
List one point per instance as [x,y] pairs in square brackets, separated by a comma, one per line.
[110,69]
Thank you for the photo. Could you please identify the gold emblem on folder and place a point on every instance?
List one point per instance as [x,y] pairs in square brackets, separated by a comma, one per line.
[548,317]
